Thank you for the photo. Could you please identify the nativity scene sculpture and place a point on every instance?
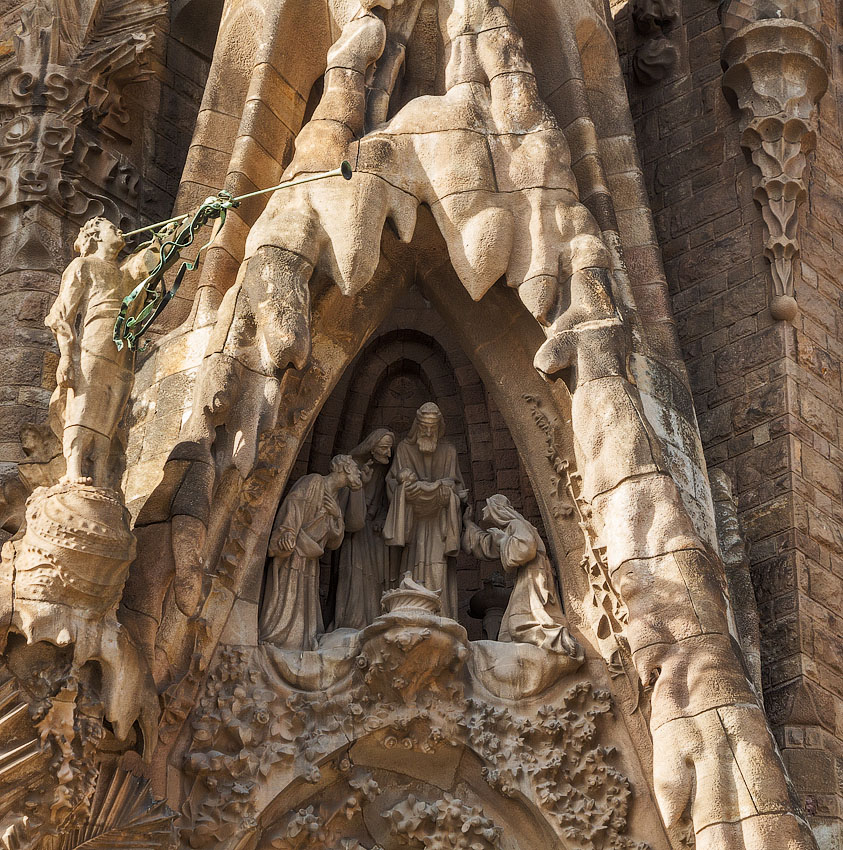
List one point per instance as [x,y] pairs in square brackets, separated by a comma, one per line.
[290,707]
[423,528]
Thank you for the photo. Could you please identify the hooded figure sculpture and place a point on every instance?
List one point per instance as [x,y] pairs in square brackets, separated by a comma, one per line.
[534,614]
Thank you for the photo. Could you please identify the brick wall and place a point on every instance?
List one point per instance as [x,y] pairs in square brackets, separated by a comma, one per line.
[768,394]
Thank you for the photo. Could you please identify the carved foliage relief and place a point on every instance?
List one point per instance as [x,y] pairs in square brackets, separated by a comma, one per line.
[254,734]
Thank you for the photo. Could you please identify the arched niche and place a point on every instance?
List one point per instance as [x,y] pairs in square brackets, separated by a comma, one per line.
[497,335]
[399,781]
[500,338]
[413,358]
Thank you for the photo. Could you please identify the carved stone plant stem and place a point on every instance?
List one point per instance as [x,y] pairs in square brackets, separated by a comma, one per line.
[777,70]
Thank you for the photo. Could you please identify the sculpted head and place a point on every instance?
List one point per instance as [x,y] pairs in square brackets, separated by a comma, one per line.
[376,447]
[99,233]
[428,428]
[344,467]
[498,510]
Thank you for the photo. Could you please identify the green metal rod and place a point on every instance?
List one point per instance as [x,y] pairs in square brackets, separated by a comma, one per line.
[344,170]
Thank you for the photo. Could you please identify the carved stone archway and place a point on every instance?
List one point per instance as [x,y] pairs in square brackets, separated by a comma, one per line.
[406,735]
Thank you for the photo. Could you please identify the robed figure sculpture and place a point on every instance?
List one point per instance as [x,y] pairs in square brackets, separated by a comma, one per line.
[364,558]
[309,521]
[426,493]
[534,613]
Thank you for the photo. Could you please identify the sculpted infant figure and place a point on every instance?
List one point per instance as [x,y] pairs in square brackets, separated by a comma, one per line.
[93,379]
[309,521]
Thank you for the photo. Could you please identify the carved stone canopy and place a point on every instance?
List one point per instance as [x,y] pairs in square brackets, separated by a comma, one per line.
[777,71]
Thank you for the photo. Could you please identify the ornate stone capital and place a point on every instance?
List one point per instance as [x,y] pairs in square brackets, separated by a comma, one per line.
[777,71]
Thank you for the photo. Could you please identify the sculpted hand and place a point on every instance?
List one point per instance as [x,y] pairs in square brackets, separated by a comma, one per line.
[413,490]
[282,542]
[366,472]
[330,506]
[65,374]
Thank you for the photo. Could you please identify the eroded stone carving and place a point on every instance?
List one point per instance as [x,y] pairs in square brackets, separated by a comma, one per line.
[604,607]
[534,613]
[43,466]
[329,826]
[777,69]
[64,576]
[493,165]
[365,561]
[309,521]
[59,791]
[426,492]
[489,136]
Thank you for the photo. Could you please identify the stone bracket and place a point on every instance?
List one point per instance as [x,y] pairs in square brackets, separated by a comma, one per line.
[777,70]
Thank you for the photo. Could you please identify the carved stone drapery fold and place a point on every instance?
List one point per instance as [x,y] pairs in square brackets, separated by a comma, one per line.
[777,70]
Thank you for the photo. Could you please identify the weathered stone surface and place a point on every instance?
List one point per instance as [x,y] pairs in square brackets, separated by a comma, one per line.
[528,303]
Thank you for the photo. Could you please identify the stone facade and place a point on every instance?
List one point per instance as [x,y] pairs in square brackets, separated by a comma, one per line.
[624,304]
[766,392]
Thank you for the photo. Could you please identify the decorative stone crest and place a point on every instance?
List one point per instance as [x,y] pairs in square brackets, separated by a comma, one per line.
[777,69]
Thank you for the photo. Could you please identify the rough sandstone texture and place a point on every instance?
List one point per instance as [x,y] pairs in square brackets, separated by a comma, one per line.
[767,393]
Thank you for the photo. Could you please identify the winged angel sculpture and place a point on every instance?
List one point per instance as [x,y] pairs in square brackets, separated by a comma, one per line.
[491,162]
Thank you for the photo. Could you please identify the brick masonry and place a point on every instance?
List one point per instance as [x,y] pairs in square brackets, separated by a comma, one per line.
[768,394]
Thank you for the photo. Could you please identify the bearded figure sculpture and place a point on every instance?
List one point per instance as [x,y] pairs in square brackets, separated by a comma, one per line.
[426,491]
